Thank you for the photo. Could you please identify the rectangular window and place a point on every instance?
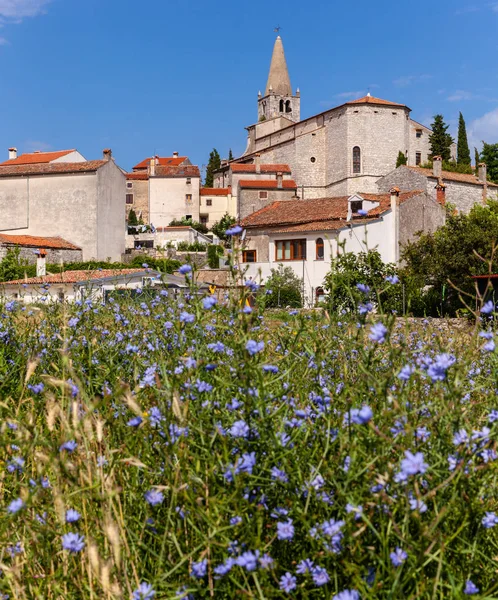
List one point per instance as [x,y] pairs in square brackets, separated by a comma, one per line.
[144,243]
[129,198]
[189,180]
[418,158]
[356,205]
[204,220]
[263,195]
[249,256]
[419,133]
[188,217]
[290,250]
[188,197]
[209,202]
[129,185]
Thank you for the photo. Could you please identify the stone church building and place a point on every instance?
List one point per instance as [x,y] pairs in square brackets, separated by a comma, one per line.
[337,152]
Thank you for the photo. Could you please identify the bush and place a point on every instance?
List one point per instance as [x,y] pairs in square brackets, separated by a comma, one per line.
[200,227]
[214,252]
[219,228]
[283,288]
[194,247]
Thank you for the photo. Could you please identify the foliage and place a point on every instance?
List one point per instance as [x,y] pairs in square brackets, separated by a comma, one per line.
[219,228]
[463,152]
[440,139]
[13,266]
[349,270]
[213,165]
[190,446]
[132,218]
[214,252]
[230,154]
[489,156]
[283,288]
[451,166]
[449,257]
[401,160]
[477,160]
[164,265]
[183,222]
[191,247]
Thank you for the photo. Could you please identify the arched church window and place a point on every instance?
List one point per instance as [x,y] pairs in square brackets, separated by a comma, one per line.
[356,159]
[281,106]
[288,107]
[319,249]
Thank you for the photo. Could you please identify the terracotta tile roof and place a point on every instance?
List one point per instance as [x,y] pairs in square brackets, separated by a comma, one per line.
[33,158]
[51,168]
[276,168]
[330,225]
[264,184]
[164,161]
[139,176]
[33,241]
[180,171]
[74,276]
[372,100]
[294,212]
[450,176]
[215,191]
[173,227]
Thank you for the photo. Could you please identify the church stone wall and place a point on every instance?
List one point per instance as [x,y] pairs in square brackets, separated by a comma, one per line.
[421,144]
[403,178]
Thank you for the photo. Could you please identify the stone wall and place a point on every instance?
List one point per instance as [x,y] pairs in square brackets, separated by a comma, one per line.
[54,256]
[420,213]
[140,191]
[403,178]
[249,200]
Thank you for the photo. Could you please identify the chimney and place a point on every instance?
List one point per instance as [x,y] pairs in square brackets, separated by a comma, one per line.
[175,154]
[395,217]
[441,193]
[152,167]
[437,167]
[12,153]
[107,154]
[483,176]
[280,180]
[257,163]
[41,263]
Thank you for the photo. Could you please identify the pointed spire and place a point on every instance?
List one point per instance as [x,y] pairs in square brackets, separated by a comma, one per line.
[278,79]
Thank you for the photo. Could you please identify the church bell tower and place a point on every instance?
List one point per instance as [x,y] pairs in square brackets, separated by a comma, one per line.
[278,100]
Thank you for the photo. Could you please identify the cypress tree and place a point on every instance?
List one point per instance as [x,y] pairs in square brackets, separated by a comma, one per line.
[132,218]
[230,155]
[463,152]
[401,160]
[440,139]
[477,159]
[489,156]
[213,165]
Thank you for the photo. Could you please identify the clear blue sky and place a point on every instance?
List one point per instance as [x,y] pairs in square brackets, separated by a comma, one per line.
[145,77]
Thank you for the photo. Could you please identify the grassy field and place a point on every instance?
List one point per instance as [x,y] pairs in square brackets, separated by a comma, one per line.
[188,449]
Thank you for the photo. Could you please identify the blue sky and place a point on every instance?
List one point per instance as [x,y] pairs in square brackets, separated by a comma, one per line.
[155,77]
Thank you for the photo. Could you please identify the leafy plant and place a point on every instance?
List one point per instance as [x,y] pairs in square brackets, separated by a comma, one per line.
[283,288]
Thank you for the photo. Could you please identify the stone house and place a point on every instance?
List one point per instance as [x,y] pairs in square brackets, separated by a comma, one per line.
[81,201]
[308,234]
[55,250]
[339,151]
[214,203]
[255,194]
[161,189]
[37,158]
[458,189]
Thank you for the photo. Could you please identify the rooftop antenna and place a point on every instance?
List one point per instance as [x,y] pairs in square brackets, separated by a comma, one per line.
[368,91]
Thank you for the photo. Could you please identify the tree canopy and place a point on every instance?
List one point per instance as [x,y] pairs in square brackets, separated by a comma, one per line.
[212,166]
[463,152]
[401,160]
[440,139]
[489,156]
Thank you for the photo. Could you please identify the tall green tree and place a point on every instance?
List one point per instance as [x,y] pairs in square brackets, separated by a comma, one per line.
[219,228]
[230,154]
[132,218]
[440,139]
[489,156]
[463,152]
[477,159]
[401,160]
[213,165]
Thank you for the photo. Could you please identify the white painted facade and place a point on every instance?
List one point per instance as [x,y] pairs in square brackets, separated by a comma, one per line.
[213,207]
[169,199]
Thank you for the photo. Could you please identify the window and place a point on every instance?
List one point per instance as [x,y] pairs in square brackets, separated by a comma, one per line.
[249,256]
[319,295]
[129,198]
[418,158]
[281,107]
[263,195]
[288,107]
[290,250]
[189,180]
[356,159]
[129,185]
[188,198]
[188,217]
[356,205]
[419,133]
[144,243]
[319,249]
[209,202]
[204,220]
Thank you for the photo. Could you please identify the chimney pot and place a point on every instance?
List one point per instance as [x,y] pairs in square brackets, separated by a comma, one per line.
[482,172]
[437,166]
[107,154]
[152,167]
[41,263]
[280,180]
[440,193]
[175,154]
[12,153]
[257,162]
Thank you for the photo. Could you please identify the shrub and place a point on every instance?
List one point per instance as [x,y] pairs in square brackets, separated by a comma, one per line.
[219,228]
[283,288]
[200,227]
[214,252]
[194,247]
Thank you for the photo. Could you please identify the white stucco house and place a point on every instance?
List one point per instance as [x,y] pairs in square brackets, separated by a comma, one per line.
[308,234]
[81,201]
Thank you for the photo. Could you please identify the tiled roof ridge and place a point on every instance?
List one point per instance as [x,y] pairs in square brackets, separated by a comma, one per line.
[51,168]
[75,276]
[33,157]
[56,242]
[451,176]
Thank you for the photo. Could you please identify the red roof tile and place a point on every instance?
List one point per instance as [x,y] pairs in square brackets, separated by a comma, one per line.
[180,171]
[164,161]
[243,168]
[263,184]
[372,100]
[74,276]
[52,168]
[294,212]
[33,158]
[33,241]
[450,176]
[139,176]
[215,191]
